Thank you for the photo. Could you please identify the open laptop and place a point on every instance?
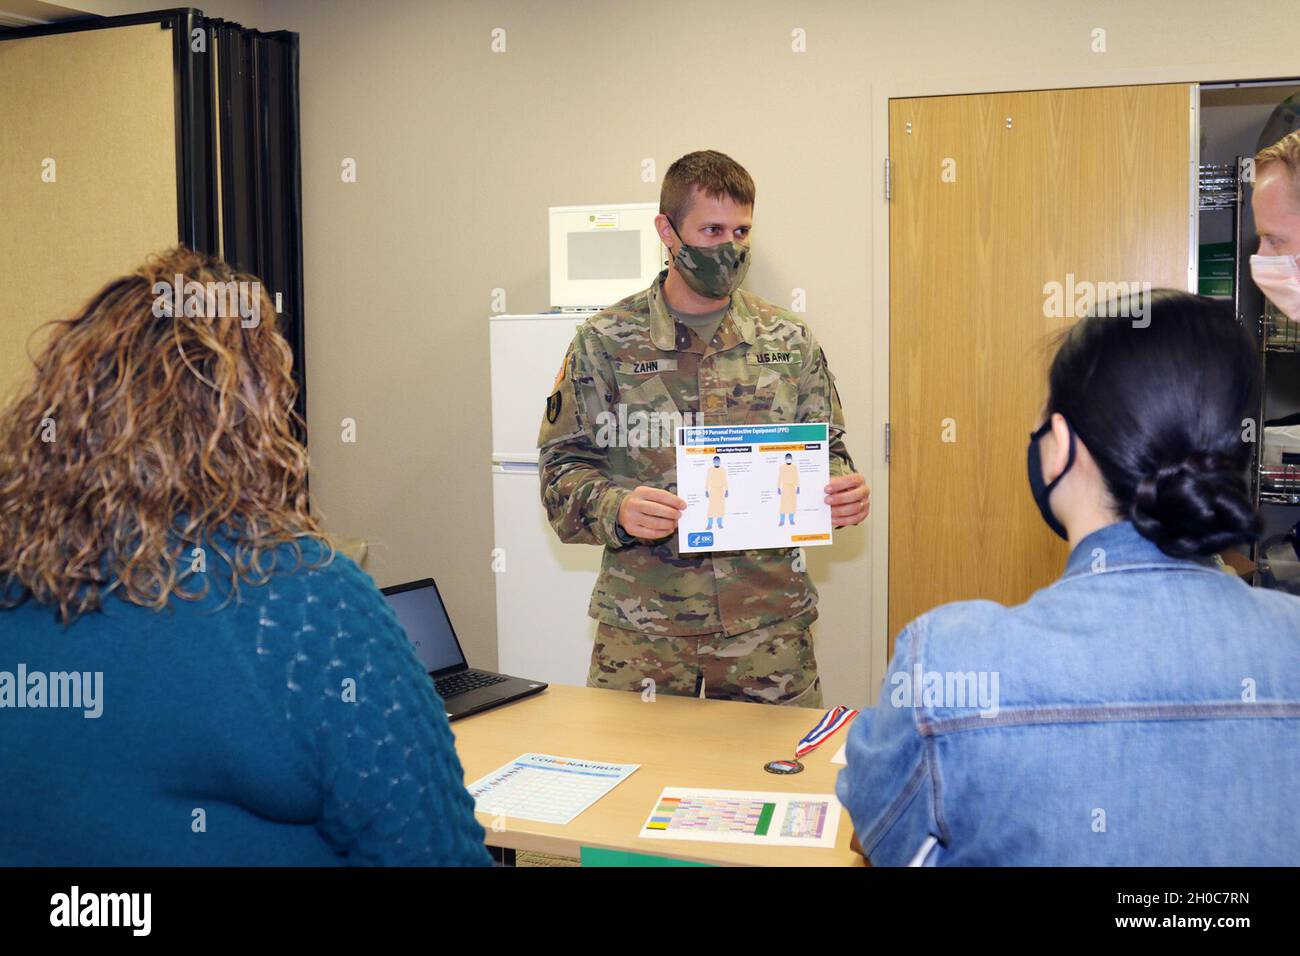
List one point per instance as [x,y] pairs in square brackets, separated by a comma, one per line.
[464,691]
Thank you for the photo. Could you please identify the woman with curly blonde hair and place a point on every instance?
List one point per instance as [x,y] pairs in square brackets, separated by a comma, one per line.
[189,673]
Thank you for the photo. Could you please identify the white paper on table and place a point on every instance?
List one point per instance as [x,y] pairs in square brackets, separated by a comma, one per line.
[546,788]
[841,755]
[738,502]
[737,816]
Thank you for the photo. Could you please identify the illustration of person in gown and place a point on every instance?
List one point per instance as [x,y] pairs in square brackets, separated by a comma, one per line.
[715,489]
[787,486]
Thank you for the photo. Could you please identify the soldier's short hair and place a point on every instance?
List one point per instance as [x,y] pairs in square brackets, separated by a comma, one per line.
[717,175]
[1285,151]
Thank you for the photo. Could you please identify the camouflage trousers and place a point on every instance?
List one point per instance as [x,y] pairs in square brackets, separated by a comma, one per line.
[768,665]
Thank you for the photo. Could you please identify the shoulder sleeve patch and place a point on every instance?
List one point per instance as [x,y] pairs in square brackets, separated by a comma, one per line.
[559,376]
[562,418]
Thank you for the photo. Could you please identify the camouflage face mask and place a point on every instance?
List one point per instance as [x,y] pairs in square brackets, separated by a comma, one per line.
[714,272]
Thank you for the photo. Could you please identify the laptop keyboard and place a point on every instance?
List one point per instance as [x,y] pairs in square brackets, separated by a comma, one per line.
[454,684]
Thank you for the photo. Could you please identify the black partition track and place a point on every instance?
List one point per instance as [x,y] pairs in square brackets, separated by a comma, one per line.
[256,91]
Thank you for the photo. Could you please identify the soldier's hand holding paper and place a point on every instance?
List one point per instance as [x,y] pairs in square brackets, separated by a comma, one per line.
[849,498]
[650,513]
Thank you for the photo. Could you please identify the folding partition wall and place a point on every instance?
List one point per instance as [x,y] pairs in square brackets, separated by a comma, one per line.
[126,135]
[88,173]
[254,84]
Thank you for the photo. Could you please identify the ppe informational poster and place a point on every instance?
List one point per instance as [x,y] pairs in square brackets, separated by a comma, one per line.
[753,486]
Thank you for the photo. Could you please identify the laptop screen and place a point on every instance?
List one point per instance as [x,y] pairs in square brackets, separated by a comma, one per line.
[419,609]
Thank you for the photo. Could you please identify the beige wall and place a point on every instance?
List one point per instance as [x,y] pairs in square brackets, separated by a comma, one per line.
[460,151]
[87,176]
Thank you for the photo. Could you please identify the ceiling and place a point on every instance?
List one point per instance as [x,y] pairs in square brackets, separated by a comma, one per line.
[33,13]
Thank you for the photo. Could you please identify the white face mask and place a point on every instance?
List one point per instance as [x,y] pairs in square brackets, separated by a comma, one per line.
[1278,277]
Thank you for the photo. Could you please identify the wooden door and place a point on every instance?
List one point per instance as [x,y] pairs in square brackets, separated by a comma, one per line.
[1089,183]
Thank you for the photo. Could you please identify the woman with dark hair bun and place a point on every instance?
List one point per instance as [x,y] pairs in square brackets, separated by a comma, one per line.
[1144,709]
[1167,412]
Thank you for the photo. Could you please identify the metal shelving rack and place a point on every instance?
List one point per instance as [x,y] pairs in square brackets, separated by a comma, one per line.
[1222,190]
[1276,484]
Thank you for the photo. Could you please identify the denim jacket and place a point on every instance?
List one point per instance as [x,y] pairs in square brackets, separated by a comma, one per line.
[1141,710]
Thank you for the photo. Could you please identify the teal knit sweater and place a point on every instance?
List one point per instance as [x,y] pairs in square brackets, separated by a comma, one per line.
[293,726]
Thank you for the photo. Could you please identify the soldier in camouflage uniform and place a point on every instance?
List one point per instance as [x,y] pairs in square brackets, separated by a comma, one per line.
[731,624]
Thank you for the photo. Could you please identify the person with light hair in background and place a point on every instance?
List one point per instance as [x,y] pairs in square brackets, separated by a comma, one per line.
[246,696]
[1276,205]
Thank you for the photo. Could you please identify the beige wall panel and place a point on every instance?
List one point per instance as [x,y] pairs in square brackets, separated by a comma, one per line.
[99,103]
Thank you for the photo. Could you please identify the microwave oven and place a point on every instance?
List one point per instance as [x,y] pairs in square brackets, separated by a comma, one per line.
[601,254]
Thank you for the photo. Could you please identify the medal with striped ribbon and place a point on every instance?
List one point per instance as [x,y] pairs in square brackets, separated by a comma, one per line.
[831,721]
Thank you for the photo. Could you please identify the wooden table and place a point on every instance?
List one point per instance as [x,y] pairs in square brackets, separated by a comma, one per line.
[678,741]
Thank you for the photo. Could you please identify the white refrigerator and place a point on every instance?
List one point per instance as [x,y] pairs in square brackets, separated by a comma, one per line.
[543,586]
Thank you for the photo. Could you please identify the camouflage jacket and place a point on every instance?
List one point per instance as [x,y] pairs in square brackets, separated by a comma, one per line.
[630,376]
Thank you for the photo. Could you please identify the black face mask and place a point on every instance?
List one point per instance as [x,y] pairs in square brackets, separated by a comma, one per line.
[1040,491]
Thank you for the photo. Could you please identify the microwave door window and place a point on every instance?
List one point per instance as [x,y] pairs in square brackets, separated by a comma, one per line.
[605,254]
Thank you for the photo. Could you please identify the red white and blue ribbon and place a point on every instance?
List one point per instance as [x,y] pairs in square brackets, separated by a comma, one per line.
[832,721]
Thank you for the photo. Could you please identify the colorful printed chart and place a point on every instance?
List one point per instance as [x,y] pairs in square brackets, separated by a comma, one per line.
[744,816]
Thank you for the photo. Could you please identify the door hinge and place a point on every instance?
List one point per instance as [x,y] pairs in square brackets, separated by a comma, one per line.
[886,179]
[886,443]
